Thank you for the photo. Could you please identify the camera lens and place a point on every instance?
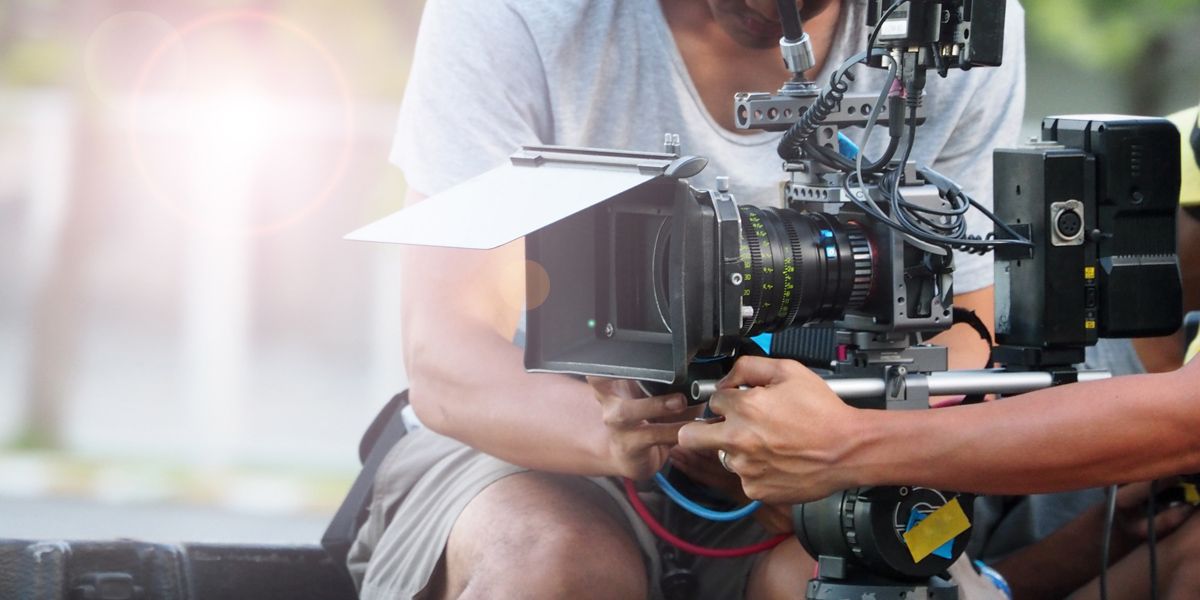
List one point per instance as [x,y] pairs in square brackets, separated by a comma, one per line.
[800,267]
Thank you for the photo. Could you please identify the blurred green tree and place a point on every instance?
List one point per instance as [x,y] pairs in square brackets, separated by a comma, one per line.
[1131,37]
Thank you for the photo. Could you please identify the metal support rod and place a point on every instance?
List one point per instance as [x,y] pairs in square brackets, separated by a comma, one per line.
[954,383]
[942,383]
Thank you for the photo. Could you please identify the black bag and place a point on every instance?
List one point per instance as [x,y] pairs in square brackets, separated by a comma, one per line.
[381,436]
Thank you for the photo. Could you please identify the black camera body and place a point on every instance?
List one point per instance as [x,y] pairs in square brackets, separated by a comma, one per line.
[1098,199]
[666,282]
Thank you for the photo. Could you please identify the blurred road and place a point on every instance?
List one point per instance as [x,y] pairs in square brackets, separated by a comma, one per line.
[70,519]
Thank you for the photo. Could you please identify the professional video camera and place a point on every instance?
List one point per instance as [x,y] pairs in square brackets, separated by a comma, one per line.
[656,280]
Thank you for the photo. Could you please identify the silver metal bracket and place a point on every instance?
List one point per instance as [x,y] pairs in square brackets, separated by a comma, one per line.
[777,112]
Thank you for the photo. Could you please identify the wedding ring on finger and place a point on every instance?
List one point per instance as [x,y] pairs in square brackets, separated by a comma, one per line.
[723,458]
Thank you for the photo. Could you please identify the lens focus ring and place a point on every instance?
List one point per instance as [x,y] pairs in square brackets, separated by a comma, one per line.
[800,267]
[860,249]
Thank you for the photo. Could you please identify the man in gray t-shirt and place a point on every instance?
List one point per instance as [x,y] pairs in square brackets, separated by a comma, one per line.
[467,505]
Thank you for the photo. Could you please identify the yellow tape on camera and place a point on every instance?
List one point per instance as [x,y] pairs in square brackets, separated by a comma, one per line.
[941,526]
[1190,494]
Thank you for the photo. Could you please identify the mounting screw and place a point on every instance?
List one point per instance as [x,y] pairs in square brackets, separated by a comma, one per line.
[609,330]
[736,279]
[671,144]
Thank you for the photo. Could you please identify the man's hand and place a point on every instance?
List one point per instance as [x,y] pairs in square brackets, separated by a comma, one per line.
[704,468]
[784,437]
[638,442]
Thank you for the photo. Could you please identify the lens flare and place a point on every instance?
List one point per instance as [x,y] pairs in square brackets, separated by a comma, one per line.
[248,120]
[537,284]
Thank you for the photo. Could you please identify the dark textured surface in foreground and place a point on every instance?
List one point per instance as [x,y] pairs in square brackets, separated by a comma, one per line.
[126,570]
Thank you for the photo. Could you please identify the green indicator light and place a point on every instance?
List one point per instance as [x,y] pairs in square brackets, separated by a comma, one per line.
[591,323]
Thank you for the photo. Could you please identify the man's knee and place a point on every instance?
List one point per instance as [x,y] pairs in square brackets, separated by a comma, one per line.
[545,536]
[781,573]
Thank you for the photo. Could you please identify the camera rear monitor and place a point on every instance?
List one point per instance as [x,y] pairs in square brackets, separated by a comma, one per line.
[1098,197]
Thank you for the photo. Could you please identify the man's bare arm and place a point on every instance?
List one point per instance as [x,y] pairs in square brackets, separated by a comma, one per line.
[1125,429]
[792,440]
[468,381]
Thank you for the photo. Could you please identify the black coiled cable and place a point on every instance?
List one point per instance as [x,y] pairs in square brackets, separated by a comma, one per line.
[795,137]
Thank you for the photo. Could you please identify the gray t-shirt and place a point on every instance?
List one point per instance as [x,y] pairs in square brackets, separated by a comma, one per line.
[491,75]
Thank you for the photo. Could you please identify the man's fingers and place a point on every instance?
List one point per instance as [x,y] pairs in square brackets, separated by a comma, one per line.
[757,371]
[654,434]
[623,408]
[725,402]
[629,412]
[703,436]
[749,370]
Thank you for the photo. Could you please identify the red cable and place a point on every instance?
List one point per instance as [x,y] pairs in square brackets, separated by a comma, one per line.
[686,546]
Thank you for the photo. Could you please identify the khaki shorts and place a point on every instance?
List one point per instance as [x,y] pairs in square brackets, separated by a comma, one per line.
[427,479]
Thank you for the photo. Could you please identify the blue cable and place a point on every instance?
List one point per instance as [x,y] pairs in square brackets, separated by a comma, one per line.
[995,578]
[847,147]
[700,511]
